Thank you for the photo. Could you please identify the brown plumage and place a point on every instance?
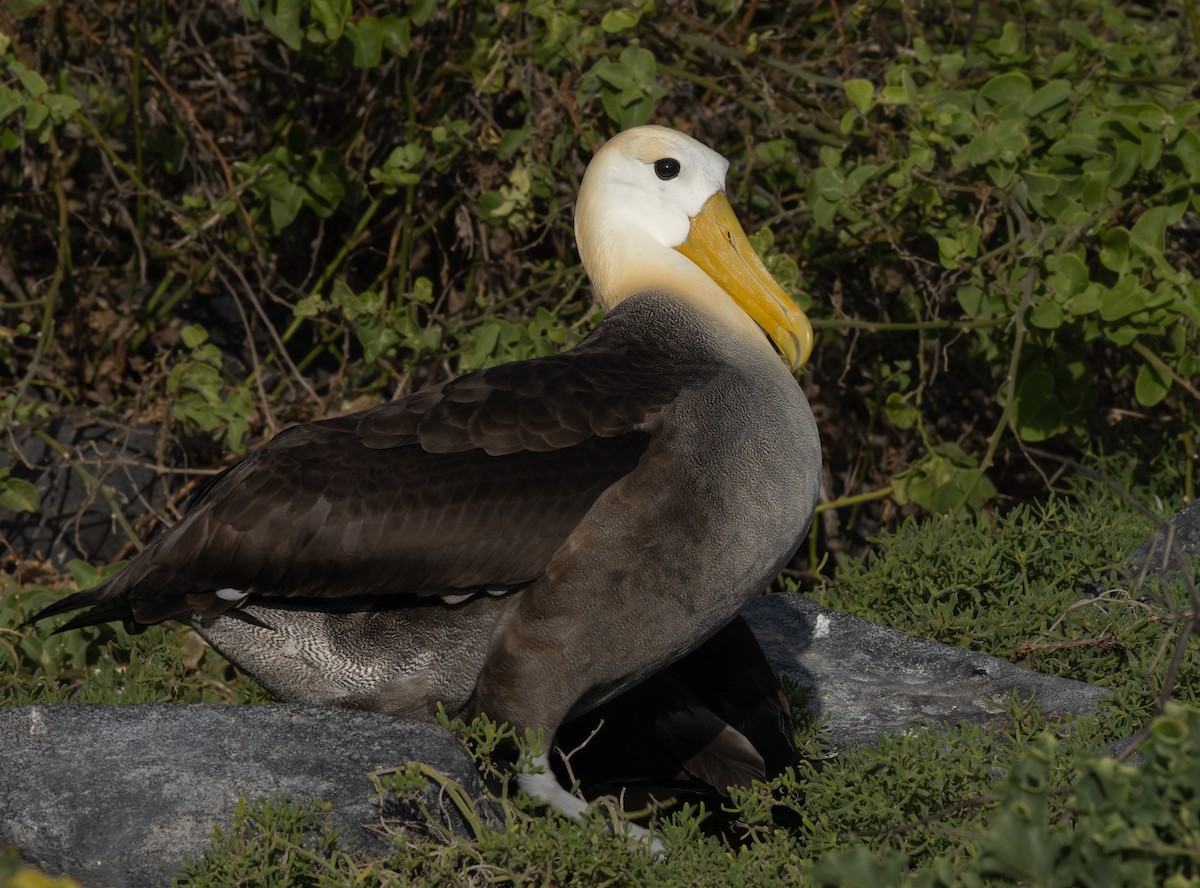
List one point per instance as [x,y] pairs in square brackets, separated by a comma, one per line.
[531,540]
[500,465]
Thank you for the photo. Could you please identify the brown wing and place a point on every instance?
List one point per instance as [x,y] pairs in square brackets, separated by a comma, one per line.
[470,485]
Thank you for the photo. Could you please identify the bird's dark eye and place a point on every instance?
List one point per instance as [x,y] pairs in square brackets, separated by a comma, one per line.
[667,168]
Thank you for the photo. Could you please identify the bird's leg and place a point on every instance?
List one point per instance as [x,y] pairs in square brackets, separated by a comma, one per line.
[537,780]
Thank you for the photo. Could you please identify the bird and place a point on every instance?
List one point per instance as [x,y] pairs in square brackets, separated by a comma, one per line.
[533,539]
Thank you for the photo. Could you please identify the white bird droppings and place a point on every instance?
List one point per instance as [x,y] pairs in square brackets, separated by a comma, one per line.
[822,628]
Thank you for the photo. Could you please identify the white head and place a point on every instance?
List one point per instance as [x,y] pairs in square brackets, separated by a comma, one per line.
[652,215]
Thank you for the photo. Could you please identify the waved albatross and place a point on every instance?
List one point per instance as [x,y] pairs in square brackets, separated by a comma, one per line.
[545,534]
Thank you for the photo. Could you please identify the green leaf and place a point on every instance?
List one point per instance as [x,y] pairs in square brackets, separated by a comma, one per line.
[949,251]
[494,206]
[366,36]
[309,307]
[899,89]
[970,300]
[1050,95]
[902,414]
[32,81]
[1009,88]
[1186,148]
[826,184]
[861,175]
[1148,235]
[329,19]
[1081,34]
[857,866]
[861,94]
[1123,299]
[512,140]
[1038,411]
[19,495]
[1076,145]
[1138,116]
[37,113]
[1096,187]
[630,90]
[1047,314]
[1152,149]
[286,207]
[324,184]
[617,20]
[950,64]
[422,291]
[1008,43]
[422,10]
[1086,301]
[61,106]
[193,335]
[397,36]
[85,575]
[1152,385]
[946,481]
[282,18]
[11,102]
[1114,252]
[1129,156]
[823,211]
[1069,274]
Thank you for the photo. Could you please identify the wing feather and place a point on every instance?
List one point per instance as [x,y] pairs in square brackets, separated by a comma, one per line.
[469,485]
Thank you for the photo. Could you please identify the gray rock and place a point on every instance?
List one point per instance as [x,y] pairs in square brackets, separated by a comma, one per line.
[1182,536]
[75,520]
[117,795]
[872,680]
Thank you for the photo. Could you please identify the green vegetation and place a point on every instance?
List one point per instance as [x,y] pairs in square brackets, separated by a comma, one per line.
[220,219]
[1037,587]
[235,218]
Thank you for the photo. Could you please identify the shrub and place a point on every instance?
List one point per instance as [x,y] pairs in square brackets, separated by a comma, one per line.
[989,211]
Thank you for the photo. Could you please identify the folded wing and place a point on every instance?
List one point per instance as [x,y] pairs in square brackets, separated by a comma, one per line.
[469,486]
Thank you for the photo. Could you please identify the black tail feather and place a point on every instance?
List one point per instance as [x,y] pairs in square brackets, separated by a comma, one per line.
[72,602]
[104,612]
[102,609]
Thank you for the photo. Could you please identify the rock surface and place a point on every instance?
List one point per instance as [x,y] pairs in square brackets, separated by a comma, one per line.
[870,679]
[1185,532]
[74,519]
[117,795]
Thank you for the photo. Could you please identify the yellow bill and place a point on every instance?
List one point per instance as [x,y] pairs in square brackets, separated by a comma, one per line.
[719,246]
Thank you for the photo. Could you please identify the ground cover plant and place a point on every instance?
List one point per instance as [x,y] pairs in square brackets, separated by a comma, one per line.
[216,220]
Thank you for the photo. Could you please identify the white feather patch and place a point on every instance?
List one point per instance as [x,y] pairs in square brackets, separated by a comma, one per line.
[232,595]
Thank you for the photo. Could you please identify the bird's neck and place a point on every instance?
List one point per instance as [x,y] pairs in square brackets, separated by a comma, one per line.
[675,276]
